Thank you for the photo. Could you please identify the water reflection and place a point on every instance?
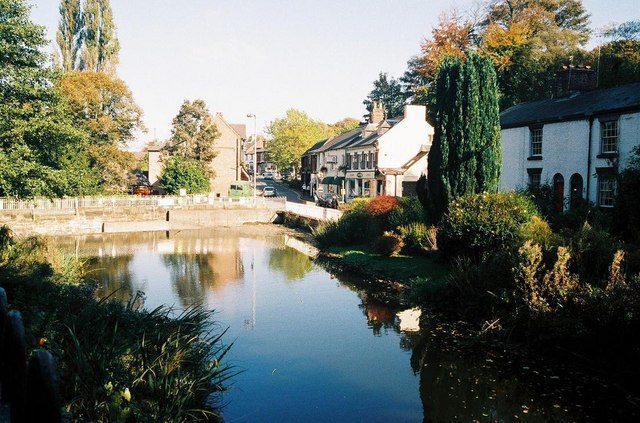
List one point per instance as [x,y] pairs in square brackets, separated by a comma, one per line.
[318,347]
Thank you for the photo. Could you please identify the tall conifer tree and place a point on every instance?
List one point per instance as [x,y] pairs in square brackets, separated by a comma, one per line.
[69,35]
[101,46]
[465,155]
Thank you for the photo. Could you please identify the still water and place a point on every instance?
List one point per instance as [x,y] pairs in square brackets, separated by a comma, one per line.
[314,347]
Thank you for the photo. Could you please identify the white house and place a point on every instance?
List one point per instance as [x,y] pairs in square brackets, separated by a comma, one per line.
[576,141]
[382,157]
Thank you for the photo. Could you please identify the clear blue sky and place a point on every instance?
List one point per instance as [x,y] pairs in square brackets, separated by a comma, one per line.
[267,56]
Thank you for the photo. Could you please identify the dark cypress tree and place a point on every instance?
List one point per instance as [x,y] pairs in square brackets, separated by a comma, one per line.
[465,156]
[489,148]
[446,128]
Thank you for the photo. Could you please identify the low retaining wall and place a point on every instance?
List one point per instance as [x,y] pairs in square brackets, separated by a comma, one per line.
[134,219]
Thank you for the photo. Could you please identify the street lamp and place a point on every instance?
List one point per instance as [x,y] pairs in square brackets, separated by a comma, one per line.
[255,156]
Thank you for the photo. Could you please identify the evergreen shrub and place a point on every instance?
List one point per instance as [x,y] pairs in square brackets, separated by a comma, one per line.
[409,210]
[483,223]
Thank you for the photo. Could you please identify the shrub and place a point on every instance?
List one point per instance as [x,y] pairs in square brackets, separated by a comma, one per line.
[418,237]
[180,173]
[409,210]
[388,244]
[352,228]
[593,250]
[380,206]
[483,223]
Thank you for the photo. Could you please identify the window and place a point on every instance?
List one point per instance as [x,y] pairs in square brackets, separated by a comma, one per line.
[347,160]
[371,165]
[606,190]
[609,136]
[366,188]
[355,161]
[535,135]
[534,177]
[362,160]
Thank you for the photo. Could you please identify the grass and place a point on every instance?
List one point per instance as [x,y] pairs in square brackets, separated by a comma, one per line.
[400,268]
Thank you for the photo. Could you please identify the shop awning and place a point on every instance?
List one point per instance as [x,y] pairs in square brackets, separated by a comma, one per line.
[338,180]
[327,180]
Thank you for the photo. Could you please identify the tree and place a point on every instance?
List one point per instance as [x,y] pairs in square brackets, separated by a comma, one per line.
[389,91]
[465,154]
[292,136]
[528,40]
[101,45]
[103,104]
[180,173]
[625,31]
[69,35]
[193,133]
[344,125]
[41,151]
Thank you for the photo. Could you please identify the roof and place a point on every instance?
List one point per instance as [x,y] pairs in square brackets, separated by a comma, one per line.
[240,128]
[577,106]
[314,147]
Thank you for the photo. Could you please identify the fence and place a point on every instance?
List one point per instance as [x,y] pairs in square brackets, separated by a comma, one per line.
[76,203]
[313,211]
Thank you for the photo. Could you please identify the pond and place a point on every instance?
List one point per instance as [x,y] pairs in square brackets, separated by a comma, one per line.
[313,346]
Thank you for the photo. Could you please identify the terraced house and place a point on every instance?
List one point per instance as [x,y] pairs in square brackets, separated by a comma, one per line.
[382,157]
[576,141]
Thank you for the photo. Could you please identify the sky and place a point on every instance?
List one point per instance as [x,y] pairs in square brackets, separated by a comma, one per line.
[264,57]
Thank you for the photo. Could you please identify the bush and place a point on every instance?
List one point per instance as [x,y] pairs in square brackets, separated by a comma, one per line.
[593,250]
[418,238]
[388,244]
[409,210]
[352,228]
[180,173]
[380,206]
[483,223]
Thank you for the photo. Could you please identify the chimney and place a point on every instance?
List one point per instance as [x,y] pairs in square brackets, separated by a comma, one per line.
[377,112]
[571,79]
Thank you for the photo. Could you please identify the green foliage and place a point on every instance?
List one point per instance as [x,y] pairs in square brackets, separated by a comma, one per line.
[483,223]
[115,361]
[352,228]
[193,133]
[390,92]
[69,34]
[409,210]
[418,238]
[592,249]
[465,156]
[388,244]
[538,231]
[292,136]
[100,43]
[179,173]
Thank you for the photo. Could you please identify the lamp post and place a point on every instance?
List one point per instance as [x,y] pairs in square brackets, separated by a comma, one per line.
[255,156]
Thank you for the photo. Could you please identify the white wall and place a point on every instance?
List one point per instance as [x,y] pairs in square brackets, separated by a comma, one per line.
[404,140]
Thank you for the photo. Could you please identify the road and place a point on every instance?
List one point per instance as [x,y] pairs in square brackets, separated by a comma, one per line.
[282,189]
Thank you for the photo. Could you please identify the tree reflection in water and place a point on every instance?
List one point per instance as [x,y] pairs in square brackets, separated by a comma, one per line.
[291,263]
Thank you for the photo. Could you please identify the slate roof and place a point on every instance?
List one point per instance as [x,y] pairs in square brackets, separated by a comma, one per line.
[577,106]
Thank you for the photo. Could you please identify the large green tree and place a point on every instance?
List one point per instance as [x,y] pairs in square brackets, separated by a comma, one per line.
[41,151]
[389,91]
[193,132]
[69,35]
[100,42]
[465,156]
[292,136]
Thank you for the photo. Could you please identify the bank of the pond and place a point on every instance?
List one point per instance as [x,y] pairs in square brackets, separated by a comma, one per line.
[115,361]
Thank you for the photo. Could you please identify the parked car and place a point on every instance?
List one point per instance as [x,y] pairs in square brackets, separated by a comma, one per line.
[268,175]
[269,192]
[141,190]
